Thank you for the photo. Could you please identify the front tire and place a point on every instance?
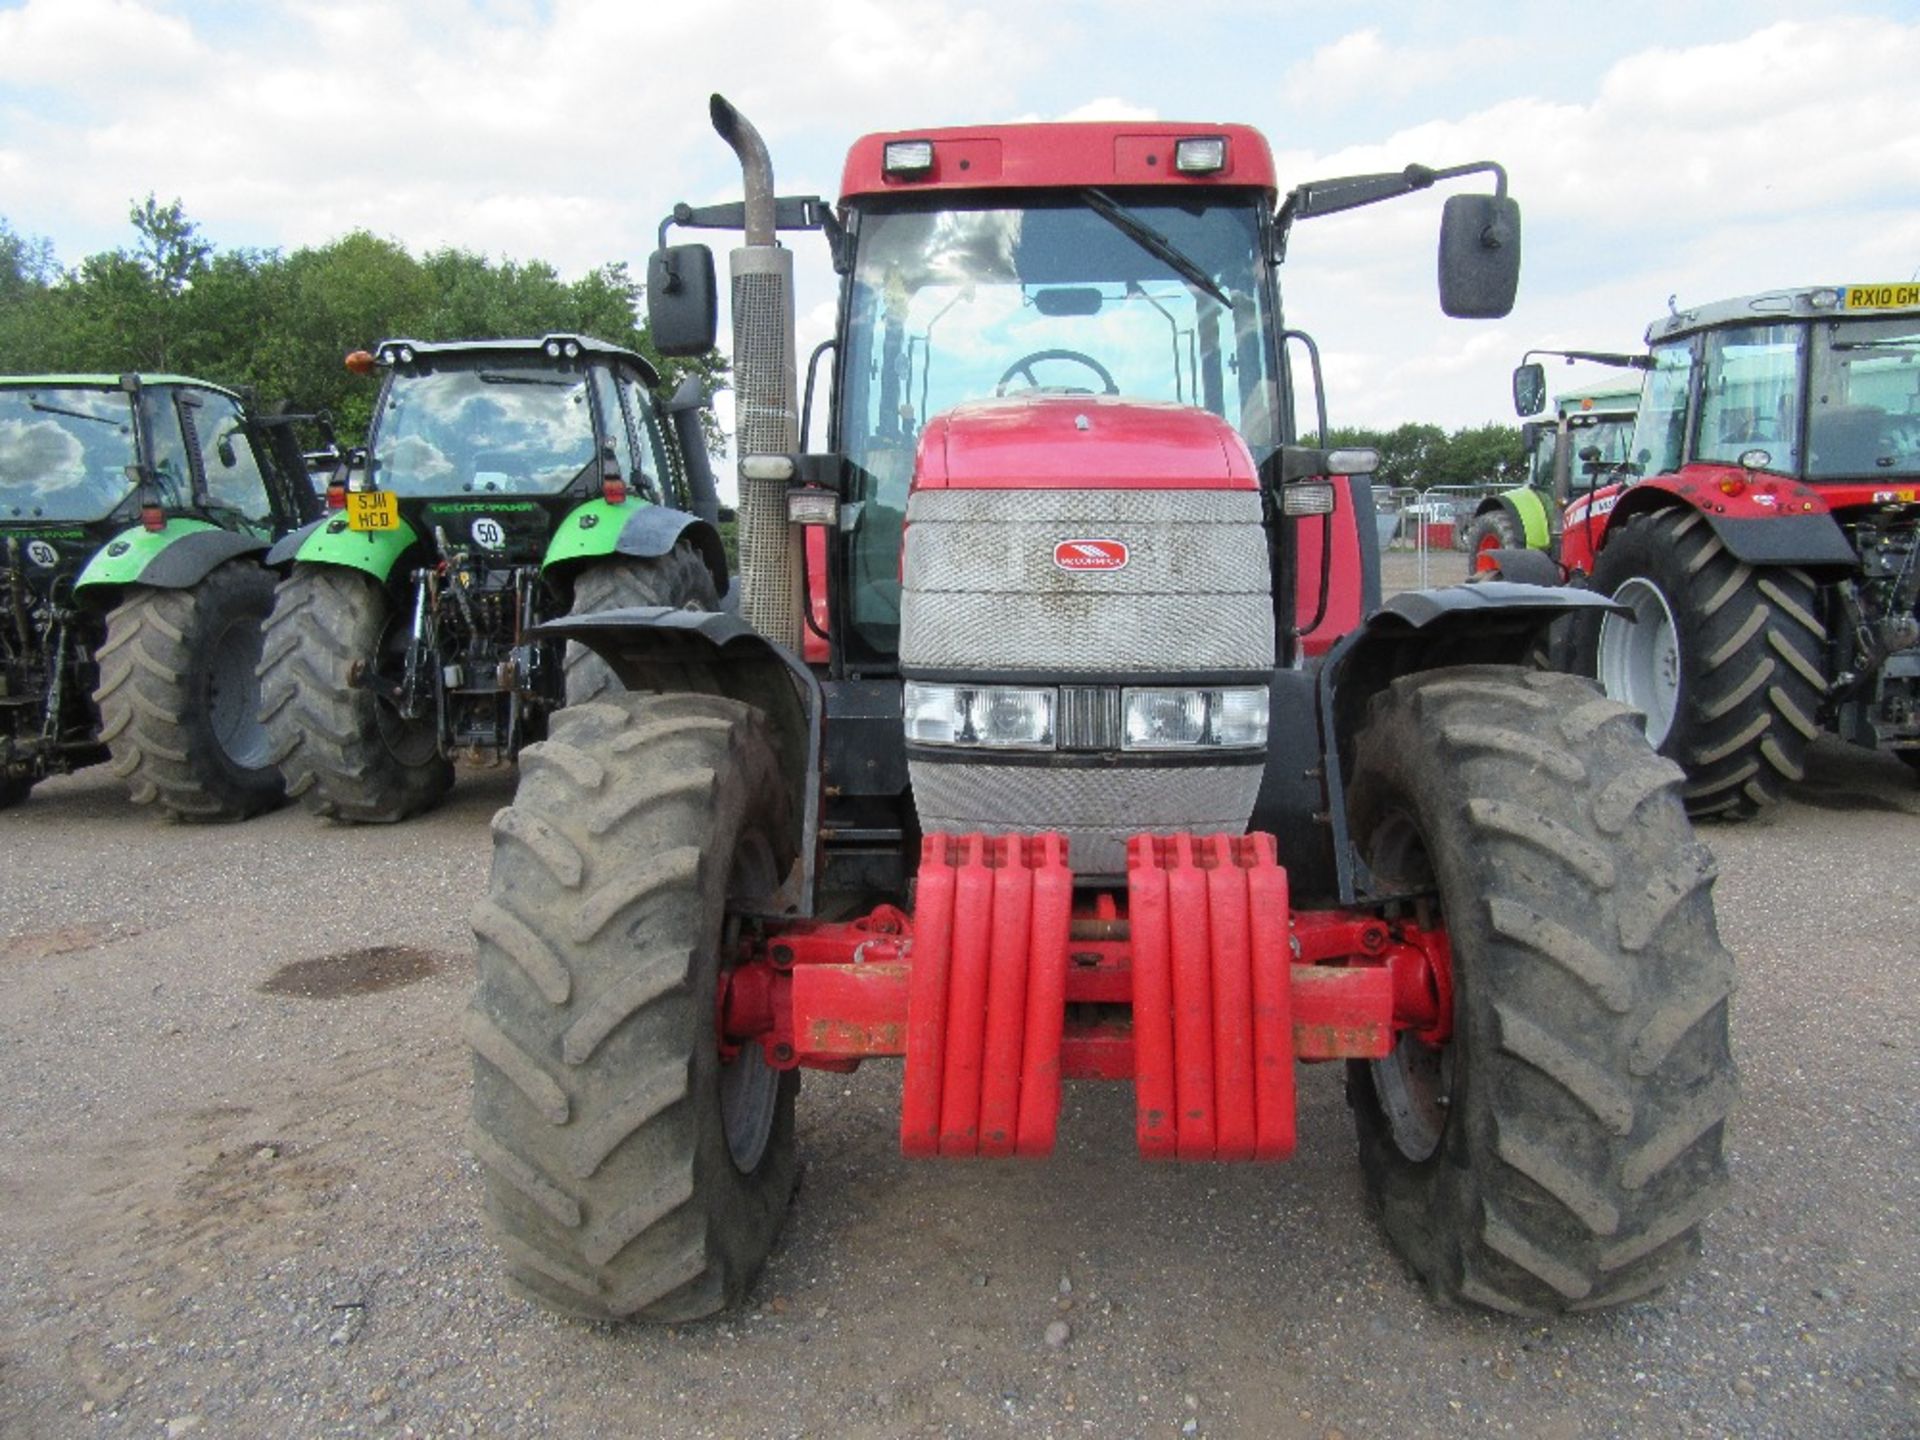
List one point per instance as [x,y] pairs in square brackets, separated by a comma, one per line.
[346,753]
[1723,658]
[1560,1150]
[630,1172]
[179,697]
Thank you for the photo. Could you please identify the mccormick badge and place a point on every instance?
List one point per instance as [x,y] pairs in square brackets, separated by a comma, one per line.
[1091,555]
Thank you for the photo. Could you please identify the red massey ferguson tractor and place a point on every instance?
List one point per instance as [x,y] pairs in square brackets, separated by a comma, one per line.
[1765,546]
[1115,769]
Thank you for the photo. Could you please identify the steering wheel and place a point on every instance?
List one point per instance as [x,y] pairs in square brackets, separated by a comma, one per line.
[1024,367]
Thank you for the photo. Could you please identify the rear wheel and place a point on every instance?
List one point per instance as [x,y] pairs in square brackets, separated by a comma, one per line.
[678,580]
[1560,1150]
[1723,658]
[345,752]
[1495,530]
[13,790]
[631,1171]
[179,697]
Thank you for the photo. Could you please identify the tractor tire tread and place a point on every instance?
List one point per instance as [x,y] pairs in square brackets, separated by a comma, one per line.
[154,697]
[678,580]
[324,731]
[1593,1077]
[608,1177]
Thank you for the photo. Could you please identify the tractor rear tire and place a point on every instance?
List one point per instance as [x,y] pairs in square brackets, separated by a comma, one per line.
[1561,1149]
[1495,530]
[13,791]
[1725,659]
[345,753]
[179,696]
[679,580]
[630,1173]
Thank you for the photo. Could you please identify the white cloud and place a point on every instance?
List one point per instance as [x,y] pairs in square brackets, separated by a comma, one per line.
[123,43]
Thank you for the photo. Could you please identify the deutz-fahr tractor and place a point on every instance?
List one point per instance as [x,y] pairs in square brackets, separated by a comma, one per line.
[1584,445]
[1763,546]
[504,481]
[1061,736]
[135,512]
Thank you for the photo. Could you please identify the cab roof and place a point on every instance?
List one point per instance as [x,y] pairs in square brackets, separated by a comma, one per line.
[1060,156]
[523,345]
[1813,302]
[114,382]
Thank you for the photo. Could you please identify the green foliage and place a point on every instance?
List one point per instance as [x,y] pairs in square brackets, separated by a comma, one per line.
[282,323]
[1415,456]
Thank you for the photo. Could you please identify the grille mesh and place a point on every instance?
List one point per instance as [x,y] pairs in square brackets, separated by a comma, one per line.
[765,423]
[1096,808]
[982,591]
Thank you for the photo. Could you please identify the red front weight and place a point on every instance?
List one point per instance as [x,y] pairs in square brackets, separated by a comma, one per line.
[986,1001]
[1212,998]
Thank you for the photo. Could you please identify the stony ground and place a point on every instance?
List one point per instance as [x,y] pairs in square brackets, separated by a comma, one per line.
[235,1199]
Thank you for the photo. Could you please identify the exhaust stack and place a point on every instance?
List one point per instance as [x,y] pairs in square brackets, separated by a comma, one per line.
[765,379]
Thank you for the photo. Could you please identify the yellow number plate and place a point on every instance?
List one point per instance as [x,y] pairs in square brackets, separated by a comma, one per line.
[1903,295]
[373,510]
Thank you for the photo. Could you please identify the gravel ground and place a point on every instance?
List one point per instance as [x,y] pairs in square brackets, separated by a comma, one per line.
[235,1198]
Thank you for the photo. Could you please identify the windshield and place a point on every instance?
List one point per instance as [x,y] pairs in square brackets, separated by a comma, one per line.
[1865,413]
[1611,435]
[485,428]
[64,453]
[949,305]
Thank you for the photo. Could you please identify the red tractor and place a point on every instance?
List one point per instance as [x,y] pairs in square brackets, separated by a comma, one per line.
[1764,547]
[1060,735]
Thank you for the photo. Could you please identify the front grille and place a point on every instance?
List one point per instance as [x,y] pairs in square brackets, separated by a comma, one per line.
[1088,717]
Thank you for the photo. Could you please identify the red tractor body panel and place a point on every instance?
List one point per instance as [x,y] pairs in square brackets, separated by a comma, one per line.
[1074,442]
[1722,491]
[1058,156]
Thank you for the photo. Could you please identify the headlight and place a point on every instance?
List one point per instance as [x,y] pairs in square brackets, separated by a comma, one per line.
[1194,719]
[1001,716]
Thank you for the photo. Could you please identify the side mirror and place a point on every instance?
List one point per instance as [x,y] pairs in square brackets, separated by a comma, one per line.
[1530,388]
[1479,256]
[224,448]
[682,300]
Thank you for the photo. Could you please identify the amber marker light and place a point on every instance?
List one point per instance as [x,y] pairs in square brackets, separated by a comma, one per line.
[360,362]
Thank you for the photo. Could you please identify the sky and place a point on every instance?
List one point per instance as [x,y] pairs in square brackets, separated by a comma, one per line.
[1679,149]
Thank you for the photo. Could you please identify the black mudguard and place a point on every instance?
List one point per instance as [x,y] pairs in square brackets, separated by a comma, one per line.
[1494,622]
[1814,541]
[653,530]
[288,545]
[191,558]
[652,648]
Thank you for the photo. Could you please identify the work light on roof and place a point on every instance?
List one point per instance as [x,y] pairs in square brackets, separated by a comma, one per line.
[1200,155]
[552,348]
[909,158]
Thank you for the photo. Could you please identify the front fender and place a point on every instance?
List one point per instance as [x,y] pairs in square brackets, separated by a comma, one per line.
[331,541]
[650,647]
[178,555]
[1494,622]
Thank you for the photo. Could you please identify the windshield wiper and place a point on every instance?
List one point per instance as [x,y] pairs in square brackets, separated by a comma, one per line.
[47,409]
[1891,342]
[1153,242]
[494,377]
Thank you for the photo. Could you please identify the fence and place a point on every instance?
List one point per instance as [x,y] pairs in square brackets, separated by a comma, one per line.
[1422,521]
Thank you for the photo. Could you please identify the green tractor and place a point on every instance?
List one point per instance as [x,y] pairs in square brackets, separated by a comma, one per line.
[135,512]
[1584,445]
[504,483]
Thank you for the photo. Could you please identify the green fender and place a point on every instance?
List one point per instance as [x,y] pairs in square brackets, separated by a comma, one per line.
[177,555]
[333,542]
[1531,511]
[592,531]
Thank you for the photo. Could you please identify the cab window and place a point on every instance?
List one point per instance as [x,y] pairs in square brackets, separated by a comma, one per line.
[1661,430]
[1750,397]
[655,457]
[234,482]
[614,423]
